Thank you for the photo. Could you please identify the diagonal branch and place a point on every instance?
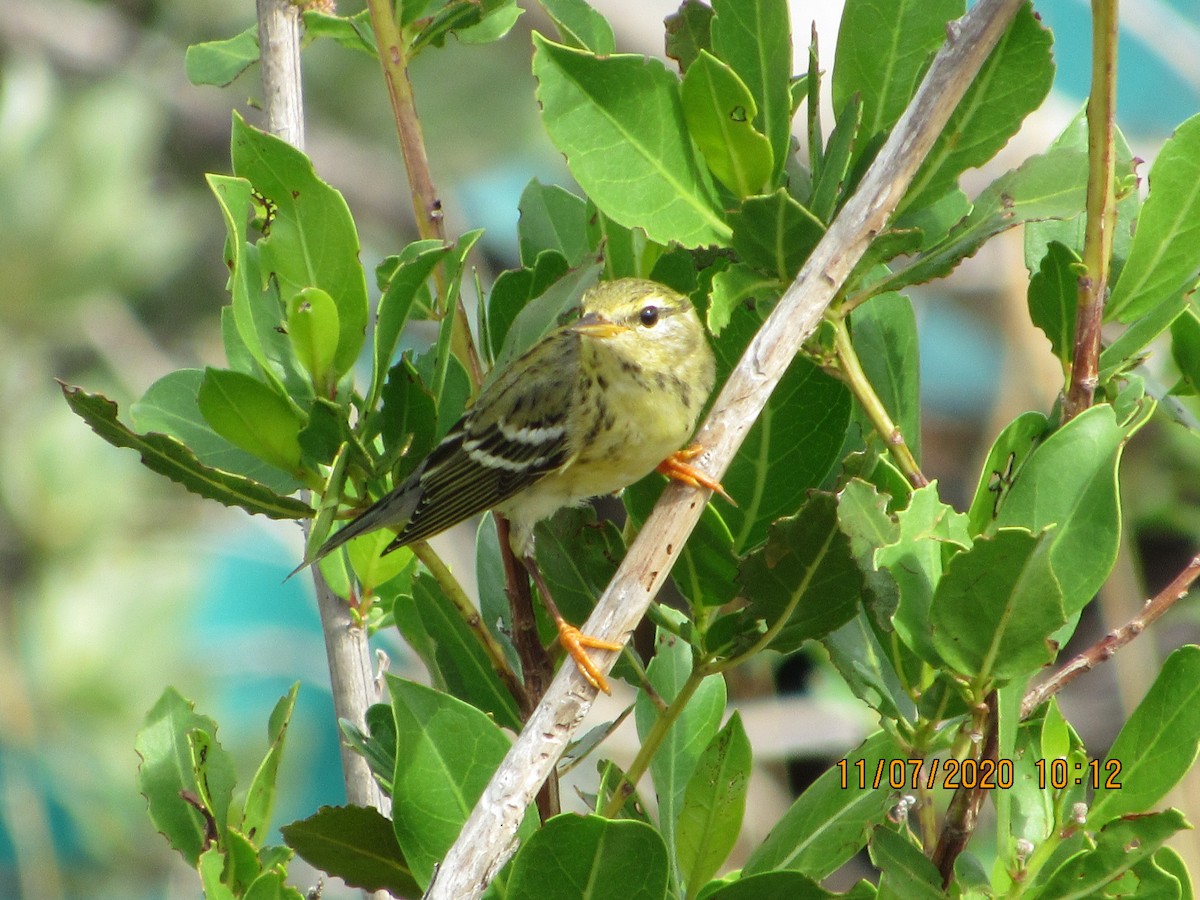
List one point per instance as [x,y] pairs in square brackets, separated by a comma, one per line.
[488,838]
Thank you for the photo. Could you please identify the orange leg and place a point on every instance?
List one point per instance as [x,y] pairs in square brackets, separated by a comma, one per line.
[678,467]
[573,641]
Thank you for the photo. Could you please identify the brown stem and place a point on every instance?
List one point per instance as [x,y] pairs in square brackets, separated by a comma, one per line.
[1104,648]
[427,206]
[963,814]
[536,665]
[1101,210]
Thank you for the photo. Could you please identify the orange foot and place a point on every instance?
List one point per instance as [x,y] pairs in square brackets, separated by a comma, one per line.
[678,467]
[576,643]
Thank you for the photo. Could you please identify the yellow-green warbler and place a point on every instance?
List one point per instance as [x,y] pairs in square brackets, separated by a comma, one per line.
[587,410]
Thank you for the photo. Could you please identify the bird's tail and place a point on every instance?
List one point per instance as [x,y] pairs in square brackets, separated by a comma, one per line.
[395,509]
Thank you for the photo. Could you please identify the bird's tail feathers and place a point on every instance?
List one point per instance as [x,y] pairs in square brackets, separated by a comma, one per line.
[394,509]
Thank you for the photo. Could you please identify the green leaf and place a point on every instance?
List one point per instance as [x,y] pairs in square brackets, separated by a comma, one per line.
[1159,742]
[1031,806]
[996,606]
[803,582]
[1163,259]
[733,287]
[862,657]
[371,565]
[1070,482]
[260,798]
[452,653]
[257,313]
[352,32]
[713,804]
[1185,347]
[169,407]
[792,445]
[619,122]
[543,312]
[1052,185]
[754,38]
[242,866]
[676,759]
[1009,452]
[885,339]
[905,873]
[514,289]
[552,218]
[170,457]
[773,886]
[445,753]
[251,416]
[1170,864]
[832,819]
[1129,349]
[164,745]
[1120,845]
[833,181]
[355,844]
[219,62]
[1012,83]
[689,30]
[627,252]
[720,111]
[408,418]
[775,234]
[580,26]
[578,556]
[493,26]
[1053,299]
[706,566]
[929,532]
[312,326]
[211,865]
[883,49]
[311,240]
[404,284]
[587,856]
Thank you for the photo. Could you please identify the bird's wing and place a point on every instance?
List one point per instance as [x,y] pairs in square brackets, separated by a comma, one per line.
[515,434]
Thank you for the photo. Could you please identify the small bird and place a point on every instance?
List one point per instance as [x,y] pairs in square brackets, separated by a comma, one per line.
[589,409]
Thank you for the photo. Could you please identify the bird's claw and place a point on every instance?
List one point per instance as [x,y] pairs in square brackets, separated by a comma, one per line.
[576,643]
[678,467]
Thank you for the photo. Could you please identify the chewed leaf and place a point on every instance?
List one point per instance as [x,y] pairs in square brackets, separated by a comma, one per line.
[172,458]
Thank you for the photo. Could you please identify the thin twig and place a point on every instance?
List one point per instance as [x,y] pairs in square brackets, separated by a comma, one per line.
[963,813]
[1101,210]
[350,673]
[1103,649]
[537,668]
[856,379]
[458,598]
[427,206]
[488,838]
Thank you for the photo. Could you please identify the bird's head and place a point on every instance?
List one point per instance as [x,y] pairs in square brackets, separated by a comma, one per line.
[644,318]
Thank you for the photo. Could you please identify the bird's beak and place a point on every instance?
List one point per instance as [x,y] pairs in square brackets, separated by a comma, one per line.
[595,325]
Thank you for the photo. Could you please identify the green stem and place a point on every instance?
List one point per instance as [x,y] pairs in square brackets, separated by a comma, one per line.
[457,596]
[1101,210]
[654,739]
[860,386]
[427,208]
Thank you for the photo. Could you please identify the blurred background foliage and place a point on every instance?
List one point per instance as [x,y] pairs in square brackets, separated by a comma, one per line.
[116,583]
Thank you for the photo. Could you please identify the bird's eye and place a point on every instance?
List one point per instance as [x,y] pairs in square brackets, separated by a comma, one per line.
[648,316]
